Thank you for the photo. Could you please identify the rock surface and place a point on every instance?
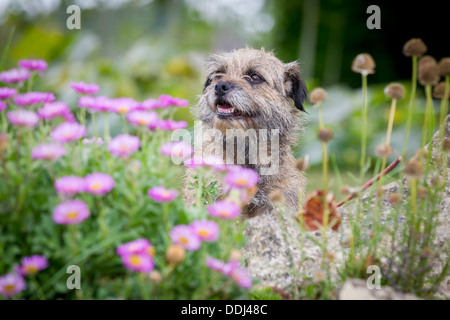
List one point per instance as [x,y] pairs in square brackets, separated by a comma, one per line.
[356,289]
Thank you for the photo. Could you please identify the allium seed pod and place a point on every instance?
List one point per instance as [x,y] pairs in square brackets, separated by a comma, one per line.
[317,95]
[439,91]
[414,48]
[444,67]
[422,192]
[175,254]
[364,64]
[446,144]
[325,135]
[302,164]
[428,71]
[394,198]
[155,276]
[344,189]
[395,91]
[235,255]
[384,150]
[379,192]
[413,169]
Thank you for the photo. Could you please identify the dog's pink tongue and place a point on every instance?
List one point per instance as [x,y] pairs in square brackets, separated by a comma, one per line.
[223,107]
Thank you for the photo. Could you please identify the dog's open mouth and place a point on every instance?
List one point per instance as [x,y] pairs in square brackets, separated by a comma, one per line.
[227,110]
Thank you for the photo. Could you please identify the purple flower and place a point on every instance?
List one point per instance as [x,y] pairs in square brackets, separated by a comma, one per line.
[100,103]
[14,76]
[137,246]
[206,230]
[6,93]
[32,265]
[215,163]
[170,124]
[224,210]
[68,131]
[87,102]
[241,277]
[69,185]
[185,237]
[2,105]
[149,104]
[70,212]
[30,98]
[143,118]
[69,117]
[165,101]
[98,183]
[231,269]
[98,141]
[124,145]
[54,109]
[22,118]
[37,65]
[161,194]
[195,162]
[177,149]
[141,262]
[242,178]
[11,284]
[48,151]
[124,105]
[215,264]
[85,88]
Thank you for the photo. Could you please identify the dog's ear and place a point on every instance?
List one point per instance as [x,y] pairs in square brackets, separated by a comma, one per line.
[294,85]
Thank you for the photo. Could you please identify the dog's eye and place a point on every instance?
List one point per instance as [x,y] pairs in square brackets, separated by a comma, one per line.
[255,78]
[217,77]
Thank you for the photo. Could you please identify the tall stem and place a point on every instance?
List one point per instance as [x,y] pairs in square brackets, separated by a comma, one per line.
[364,123]
[411,105]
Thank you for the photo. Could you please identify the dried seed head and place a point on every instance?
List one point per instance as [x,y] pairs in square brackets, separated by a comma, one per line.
[317,95]
[428,71]
[384,150]
[427,252]
[394,198]
[155,276]
[395,91]
[302,164]
[331,256]
[444,67]
[422,192]
[379,192]
[437,182]
[413,169]
[319,276]
[446,144]
[414,48]
[420,155]
[235,255]
[345,189]
[325,135]
[3,142]
[175,254]
[439,91]
[276,196]
[364,64]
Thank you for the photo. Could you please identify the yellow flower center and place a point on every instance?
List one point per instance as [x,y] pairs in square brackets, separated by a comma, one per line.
[142,122]
[224,213]
[165,194]
[31,269]
[68,134]
[72,215]
[96,186]
[203,233]
[184,240]
[9,287]
[241,182]
[123,148]
[151,251]
[135,260]
[122,109]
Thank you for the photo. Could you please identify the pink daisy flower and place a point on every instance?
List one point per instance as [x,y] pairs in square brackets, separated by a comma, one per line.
[141,262]
[85,88]
[36,65]
[87,102]
[32,265]
[241,277]
[143,118]
[124,145]
[14,76]
[165,101]
[161,194]
[69,185]
[170,124]
[138,246]
[70,212]
[11,284]
[68,131]
[69,117]
[149,104]
[22,118]
[215,264]
[6,93]
[224,210]
[54,109]
[185,237]
[206,230]
[176,149]
[214,162]
[195,162]
[124,105]
[30,98]
[2,105]
[242,178]
[48,151]
[98,183]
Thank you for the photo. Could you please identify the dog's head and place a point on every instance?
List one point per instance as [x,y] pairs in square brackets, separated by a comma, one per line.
[250,88]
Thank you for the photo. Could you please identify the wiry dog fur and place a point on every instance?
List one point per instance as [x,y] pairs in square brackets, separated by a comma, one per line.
[274,102]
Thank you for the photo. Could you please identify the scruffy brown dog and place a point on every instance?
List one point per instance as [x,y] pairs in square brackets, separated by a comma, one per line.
[252,89]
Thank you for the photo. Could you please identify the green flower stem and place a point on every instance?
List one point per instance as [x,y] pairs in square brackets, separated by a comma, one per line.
[37,288]
[364,124]
[83,116]
[141,282]
[4,121]
[426,119]
[30,82]
[106,127]
[73,239]
[442,119]
[102,217]
[411,105]
[166,216]
[388,137]
[124,124]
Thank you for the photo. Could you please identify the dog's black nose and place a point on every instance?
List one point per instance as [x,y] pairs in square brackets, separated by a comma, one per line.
[222,88]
